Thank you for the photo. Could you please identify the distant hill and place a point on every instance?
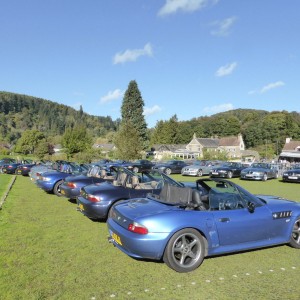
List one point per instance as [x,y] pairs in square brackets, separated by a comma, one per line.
[21,112]
[258,127]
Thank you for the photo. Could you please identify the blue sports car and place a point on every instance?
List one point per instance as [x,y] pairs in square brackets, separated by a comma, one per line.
[182,226]
[95,200]
[52,180]
[72,185]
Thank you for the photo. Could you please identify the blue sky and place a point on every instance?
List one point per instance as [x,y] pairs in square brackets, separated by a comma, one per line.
[191,58]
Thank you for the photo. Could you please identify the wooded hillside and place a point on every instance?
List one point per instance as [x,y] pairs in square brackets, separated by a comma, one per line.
[259,128]
[20,112]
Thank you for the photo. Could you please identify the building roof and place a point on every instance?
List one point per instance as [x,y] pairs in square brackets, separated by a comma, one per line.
[291,146]
[208,143]
[169,147]
[229,141]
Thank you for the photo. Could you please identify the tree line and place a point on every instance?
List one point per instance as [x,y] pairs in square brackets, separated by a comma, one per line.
[35,125]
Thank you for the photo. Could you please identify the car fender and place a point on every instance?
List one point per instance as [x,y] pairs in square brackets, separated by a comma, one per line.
[175,220]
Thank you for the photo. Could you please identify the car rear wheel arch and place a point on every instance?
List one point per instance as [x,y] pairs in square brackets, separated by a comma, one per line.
[178,249]
[114,202]
[56,188]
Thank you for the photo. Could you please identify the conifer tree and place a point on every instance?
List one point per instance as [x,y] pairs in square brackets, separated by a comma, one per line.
[132,110]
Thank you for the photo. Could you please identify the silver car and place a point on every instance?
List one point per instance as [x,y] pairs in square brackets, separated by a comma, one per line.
[259,171]
[198,168]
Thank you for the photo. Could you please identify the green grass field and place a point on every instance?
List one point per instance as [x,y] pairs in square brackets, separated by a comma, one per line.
[48,250]
[5,182]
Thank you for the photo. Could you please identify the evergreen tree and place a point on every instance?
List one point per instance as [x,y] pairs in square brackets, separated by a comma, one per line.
[127,142]
[132,110]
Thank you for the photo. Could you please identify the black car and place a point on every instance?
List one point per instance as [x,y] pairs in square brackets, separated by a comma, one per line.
[10,168]
[24,169]
[292,175]
[170,166]
[227,170]
[5,162]
[140,165]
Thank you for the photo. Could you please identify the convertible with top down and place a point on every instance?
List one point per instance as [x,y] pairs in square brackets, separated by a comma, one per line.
[182,226]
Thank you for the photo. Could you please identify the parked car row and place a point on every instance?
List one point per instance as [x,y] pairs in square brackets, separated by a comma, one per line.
[150,215]
[256,171]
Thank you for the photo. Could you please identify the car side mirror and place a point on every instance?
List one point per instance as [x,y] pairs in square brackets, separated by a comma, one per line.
[251,207]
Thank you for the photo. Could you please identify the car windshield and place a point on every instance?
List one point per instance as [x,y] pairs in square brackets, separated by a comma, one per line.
[160,176]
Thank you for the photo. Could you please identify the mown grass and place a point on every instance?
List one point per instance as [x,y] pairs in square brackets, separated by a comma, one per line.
[5,181]
[51,251]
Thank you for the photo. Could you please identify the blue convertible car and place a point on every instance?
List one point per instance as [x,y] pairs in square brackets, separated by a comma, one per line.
[52,180]
[182,226]
[95,200]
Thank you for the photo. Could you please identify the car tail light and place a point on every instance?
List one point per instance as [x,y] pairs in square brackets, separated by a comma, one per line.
[93,198]
[137,228]
[44,178]
[71,185]
[9,167]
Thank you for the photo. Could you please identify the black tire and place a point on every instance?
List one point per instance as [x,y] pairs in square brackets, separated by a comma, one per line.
[199,173]
[229,174]
[56,189]
[185,250]
[168,171]
[265,177]
[295,235]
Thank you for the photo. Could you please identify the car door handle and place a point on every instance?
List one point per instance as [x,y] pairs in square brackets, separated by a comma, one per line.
[224,219]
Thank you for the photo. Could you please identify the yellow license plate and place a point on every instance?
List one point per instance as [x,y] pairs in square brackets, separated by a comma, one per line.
[81,207]
[116,238]
[19,171]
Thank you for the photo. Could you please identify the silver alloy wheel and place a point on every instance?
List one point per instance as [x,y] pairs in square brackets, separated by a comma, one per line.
[229,174]
[185,250]
[168,171]
[199,173]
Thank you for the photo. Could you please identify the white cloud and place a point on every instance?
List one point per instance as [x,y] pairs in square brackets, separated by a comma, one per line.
[271,86]
[151,110]
[218,108]
[222,28]
[172,6]
[267,87]
[112,95]
[226,70]
[133,55]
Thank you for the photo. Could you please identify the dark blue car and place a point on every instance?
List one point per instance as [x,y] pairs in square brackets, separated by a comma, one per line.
[52,180]
[95,200]
[183,226]
[72,185]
